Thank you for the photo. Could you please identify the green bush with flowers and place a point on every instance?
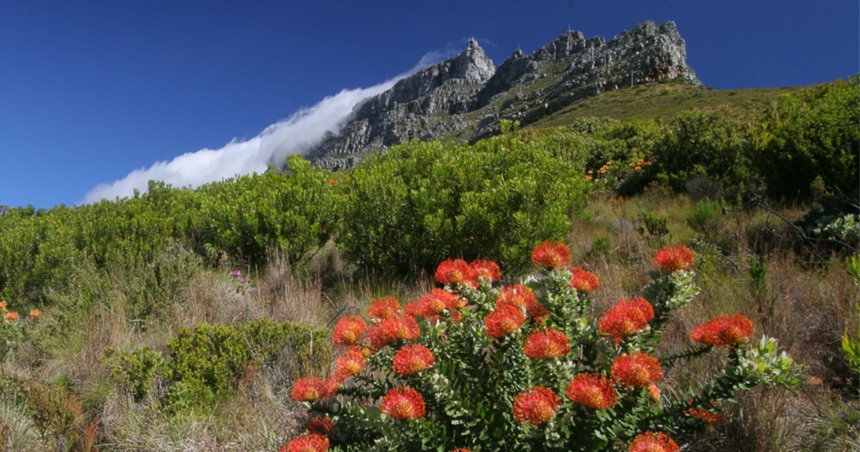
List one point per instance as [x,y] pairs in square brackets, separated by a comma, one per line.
[479,366]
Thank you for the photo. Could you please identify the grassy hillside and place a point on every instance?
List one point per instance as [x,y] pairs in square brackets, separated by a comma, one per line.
[181,319]
[661,101]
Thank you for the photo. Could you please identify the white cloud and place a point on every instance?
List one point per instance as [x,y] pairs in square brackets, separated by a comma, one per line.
[294,135]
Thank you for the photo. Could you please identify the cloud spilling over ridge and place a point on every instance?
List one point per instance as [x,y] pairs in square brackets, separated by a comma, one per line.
[294,135]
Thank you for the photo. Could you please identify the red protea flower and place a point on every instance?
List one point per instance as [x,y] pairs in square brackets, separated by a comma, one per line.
[320,425]
[307,443]
[403,403]
[488,270]
[627,317]
[551,255]
[536,405]
[653,442]
[592,390]
[349,364]
[654,392]
[333,384]
[503,321]
[436,302]
[348,330]
[411,359]
[516,295]
[361,350]
[583,281]
[724,331]
[309,389]
[462,450]
[454,272]
[546,344]
[637,369]
[706,416]
[400,328]
[384,308]
[674,258]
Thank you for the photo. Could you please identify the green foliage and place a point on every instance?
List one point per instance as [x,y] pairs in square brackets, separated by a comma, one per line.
[135,370]
[421,202]
[261,213]
[815,134]
[470,390]
[707,216]
[207,363]
[654,227]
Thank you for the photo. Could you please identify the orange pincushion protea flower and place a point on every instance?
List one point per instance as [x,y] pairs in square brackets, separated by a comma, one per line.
[516,295]
[35,313]
[462,450]
[674,258]
[411,359]
[307,443]
[551,255]
[333,384]
[592,390]
[724,331]
[403,403]
[309,389]
[349,364]
[546,344]
[454,272]
[320,425]
[488,270]
[503,321]
[361,350]
[653,442]
[627,317]
[12,316]
[536,405]
[384,308]
[2,305]
[435,303]
[654,392]
[348,330]
[706,416]
[400,328]
[637,369]
[583,281]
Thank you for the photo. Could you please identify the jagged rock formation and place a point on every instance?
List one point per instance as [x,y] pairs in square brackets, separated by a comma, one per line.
[4,209]
[465,98]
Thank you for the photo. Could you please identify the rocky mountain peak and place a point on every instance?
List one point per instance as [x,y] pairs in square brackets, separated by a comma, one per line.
[466,96]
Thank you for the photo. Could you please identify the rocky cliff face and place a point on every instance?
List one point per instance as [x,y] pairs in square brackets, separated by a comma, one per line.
[4,209]
[464,98]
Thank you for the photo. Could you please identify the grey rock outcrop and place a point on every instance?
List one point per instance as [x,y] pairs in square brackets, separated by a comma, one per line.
[466,97]
[4,209]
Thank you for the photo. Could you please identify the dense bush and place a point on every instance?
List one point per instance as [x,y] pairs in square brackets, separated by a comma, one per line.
[523,367]
[424,201]
[206,363]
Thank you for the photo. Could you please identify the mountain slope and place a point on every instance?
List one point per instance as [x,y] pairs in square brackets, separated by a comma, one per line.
[466,97]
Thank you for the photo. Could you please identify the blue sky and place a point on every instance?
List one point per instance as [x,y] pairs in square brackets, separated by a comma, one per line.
[90,91]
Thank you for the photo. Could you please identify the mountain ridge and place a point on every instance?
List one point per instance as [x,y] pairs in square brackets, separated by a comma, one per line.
[466,97]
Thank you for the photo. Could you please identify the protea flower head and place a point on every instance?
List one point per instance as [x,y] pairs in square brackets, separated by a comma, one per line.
[384,308]
[626,318]
[307,443]
[349,364]
[592,390]
[724,331]
[411,359]
[322,425]
[309,389]
[488,270]
[637,369]
[503,321]
[583,281]
[403,403]
[551,255]
[674,258]
[536,405]
[348,330]
[653,442]
[454,272]
[546,344]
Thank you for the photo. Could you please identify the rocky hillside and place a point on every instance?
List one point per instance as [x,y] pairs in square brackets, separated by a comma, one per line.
[464,98]
[4,209]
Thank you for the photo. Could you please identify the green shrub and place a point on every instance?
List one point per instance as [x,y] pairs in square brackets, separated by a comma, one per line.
[707,216]
[261,213]
[410,208]
[811,135]
[654,227]
[206,363]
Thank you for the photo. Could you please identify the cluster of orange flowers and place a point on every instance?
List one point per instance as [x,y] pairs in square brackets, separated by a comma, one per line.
[391,323]
[608,166]
[12,316]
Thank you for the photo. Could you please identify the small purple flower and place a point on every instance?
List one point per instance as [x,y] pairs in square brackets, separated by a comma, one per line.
[241,279]
[236,272]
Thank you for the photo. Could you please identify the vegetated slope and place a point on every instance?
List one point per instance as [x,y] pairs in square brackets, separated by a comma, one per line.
[661,101]
[467,97]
